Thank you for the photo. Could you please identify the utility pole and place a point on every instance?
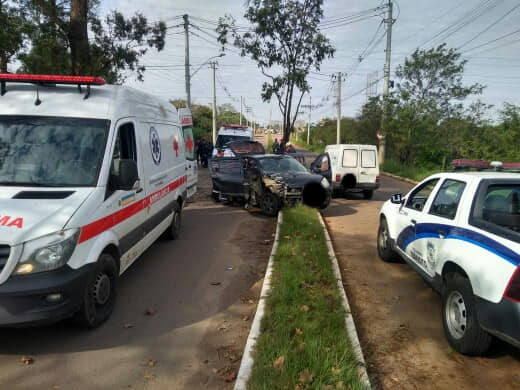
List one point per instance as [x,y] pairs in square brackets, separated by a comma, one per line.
[213,66]
[389,22]
[338,126]
[187,59]
[309,124]
[270,117]
[240,110]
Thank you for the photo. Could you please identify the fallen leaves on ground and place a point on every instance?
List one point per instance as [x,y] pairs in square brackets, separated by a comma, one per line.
[335,371]
[305,308]
[278,362]
[306,376]
[150,311]
[27,360]
[245,318]
[298,332]
[151,363]
[128,326]
[215,283]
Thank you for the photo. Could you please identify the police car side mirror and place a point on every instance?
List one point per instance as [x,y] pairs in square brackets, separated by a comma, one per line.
[128,175]
[396,199]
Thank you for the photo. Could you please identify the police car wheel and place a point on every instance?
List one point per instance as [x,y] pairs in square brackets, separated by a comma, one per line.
[175,228]
[100,294]
[384,246]
[270,204]
[460,318]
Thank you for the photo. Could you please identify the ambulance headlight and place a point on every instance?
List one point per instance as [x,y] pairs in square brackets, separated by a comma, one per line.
[48,252]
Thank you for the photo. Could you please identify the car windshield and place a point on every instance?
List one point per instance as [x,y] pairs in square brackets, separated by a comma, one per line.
[51,152]
[224,140]
[281,165]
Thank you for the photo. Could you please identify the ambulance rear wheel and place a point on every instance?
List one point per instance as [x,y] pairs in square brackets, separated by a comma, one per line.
[99,296]
[175,228]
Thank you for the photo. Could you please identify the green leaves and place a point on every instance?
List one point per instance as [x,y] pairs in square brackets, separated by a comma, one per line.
[286,43]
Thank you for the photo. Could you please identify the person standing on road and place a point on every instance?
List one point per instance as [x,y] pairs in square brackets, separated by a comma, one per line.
[276,146]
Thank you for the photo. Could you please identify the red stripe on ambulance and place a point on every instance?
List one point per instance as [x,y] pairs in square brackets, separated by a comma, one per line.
[99,226]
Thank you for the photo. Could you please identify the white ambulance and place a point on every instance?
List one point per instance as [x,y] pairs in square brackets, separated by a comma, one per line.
[187,130]
[228,134]
[90,176]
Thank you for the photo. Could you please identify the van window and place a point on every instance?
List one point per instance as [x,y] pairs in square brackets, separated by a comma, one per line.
[447,199]
[51,152]
[350,158]
[368,158]
[125,147]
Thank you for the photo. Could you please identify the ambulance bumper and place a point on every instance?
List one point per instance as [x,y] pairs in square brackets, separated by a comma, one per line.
[501,319]
[42,298]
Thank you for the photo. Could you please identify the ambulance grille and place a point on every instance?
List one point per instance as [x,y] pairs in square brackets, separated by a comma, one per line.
[4,255]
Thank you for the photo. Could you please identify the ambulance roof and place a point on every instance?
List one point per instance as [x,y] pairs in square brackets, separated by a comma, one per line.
[105,102]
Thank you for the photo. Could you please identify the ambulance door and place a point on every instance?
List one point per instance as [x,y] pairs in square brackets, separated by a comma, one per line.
[126,207]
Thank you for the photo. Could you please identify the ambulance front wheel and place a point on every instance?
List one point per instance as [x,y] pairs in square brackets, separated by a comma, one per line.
[175,228]
[99,295]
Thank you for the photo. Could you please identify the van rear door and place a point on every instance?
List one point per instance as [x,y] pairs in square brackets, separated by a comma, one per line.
[368,167]
[191,159]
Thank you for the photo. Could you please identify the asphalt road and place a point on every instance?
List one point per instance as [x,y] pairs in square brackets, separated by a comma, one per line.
[198,288]
[398,315]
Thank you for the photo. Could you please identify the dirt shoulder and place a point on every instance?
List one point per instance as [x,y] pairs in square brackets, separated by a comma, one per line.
[398,315]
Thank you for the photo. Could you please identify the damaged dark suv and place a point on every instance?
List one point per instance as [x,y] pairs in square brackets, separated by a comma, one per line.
[267,181]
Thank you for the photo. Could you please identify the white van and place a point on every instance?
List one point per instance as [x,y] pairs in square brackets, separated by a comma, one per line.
[350,168]
[90,177]
[189,141]
[228,134]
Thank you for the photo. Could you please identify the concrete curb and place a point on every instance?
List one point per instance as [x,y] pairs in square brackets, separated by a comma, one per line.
[246,365]
[400,178]
[349,320]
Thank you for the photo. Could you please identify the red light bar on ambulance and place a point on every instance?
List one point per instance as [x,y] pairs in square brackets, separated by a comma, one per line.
[51,79]
[235,127]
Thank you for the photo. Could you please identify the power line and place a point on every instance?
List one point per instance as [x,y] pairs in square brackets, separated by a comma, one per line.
[492,41]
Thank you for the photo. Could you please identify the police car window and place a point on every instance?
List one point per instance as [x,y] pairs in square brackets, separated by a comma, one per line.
[499,212]
[420,196]
[447,199]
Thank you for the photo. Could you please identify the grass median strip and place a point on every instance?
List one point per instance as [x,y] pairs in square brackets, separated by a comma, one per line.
[303,342]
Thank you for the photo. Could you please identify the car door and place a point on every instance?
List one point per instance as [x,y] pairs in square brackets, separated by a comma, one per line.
[228,176]
[369,170]
[410,215]
[322,166]
[438,223]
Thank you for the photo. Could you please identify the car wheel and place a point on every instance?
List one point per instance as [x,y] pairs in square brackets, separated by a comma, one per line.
[270,204]
[368,194]
[175,228]
[99,295]
[384,244]
[460,318]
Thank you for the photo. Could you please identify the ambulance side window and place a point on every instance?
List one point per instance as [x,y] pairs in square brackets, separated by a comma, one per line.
[124,149]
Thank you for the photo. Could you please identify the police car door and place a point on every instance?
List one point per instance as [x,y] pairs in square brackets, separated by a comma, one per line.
[409,215]
[437,223]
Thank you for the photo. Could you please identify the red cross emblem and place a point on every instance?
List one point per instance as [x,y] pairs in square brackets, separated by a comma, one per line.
[189,143]
[176,146]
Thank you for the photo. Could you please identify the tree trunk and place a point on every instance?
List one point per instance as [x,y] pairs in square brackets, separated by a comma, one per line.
[78,36]
[3,64]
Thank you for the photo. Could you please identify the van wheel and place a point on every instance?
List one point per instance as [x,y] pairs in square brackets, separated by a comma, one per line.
[270,204]
[368,194]
[384,246]
[460,319]
[99,296]
[175,228]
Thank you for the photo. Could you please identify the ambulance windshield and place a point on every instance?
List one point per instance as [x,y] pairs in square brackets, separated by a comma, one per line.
[51,152]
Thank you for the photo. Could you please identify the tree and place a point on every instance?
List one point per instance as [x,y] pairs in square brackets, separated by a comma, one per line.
[60,43]
[13,32]
[286,43]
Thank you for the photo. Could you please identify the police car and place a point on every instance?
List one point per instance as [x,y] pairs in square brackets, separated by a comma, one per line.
[461,232]
[90,176]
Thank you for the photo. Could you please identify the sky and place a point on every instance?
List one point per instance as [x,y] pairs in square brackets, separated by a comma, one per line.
[470,25]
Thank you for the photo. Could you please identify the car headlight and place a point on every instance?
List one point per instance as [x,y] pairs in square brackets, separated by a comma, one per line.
[325,183]
[48,252]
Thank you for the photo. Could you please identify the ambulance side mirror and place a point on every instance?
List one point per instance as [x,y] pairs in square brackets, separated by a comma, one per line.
[128,175]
